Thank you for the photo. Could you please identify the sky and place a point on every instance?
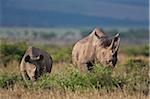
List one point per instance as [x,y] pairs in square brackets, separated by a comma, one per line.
[136,10]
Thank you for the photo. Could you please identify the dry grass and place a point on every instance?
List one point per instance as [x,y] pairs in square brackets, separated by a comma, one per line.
[12,67]
[21,93]
[123,58]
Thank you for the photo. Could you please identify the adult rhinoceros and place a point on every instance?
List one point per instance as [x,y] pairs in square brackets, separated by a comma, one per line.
[96,47]
[34,63]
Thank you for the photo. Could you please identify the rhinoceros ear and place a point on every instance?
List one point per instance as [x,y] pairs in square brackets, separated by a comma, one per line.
[40,57]
[96,34]
[27,58]
[115,43]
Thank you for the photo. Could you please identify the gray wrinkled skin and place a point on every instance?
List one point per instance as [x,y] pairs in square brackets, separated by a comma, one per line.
[96,47]
[34,63]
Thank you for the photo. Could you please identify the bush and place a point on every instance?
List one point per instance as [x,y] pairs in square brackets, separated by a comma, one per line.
[8,80]
[12,51]
[136,75]
[62,54]
[103,78]
[70,79]
[73,79]
[135,51]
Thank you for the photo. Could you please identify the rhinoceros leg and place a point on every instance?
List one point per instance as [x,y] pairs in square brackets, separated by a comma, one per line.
[89,66]
[82,67]
[48,68]
[24,75]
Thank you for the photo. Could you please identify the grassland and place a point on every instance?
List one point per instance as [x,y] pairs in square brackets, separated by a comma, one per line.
[128,80]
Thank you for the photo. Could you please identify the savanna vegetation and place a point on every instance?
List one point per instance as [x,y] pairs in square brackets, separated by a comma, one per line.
[128,80]
[71,35]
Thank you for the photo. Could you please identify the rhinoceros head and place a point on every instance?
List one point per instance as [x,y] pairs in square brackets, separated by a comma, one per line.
[33,65]
[107,51]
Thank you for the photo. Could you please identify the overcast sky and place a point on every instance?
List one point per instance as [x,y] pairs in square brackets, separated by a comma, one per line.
[118,9]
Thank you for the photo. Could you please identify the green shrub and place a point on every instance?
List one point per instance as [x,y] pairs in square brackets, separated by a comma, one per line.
[102,78]
[136,75]
[62,54]
[8,80]
[70,79]
[73,79]
[12,51]
[135,51]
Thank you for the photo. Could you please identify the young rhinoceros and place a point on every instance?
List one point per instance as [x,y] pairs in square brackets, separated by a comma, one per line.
[34,63]
[96,47]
